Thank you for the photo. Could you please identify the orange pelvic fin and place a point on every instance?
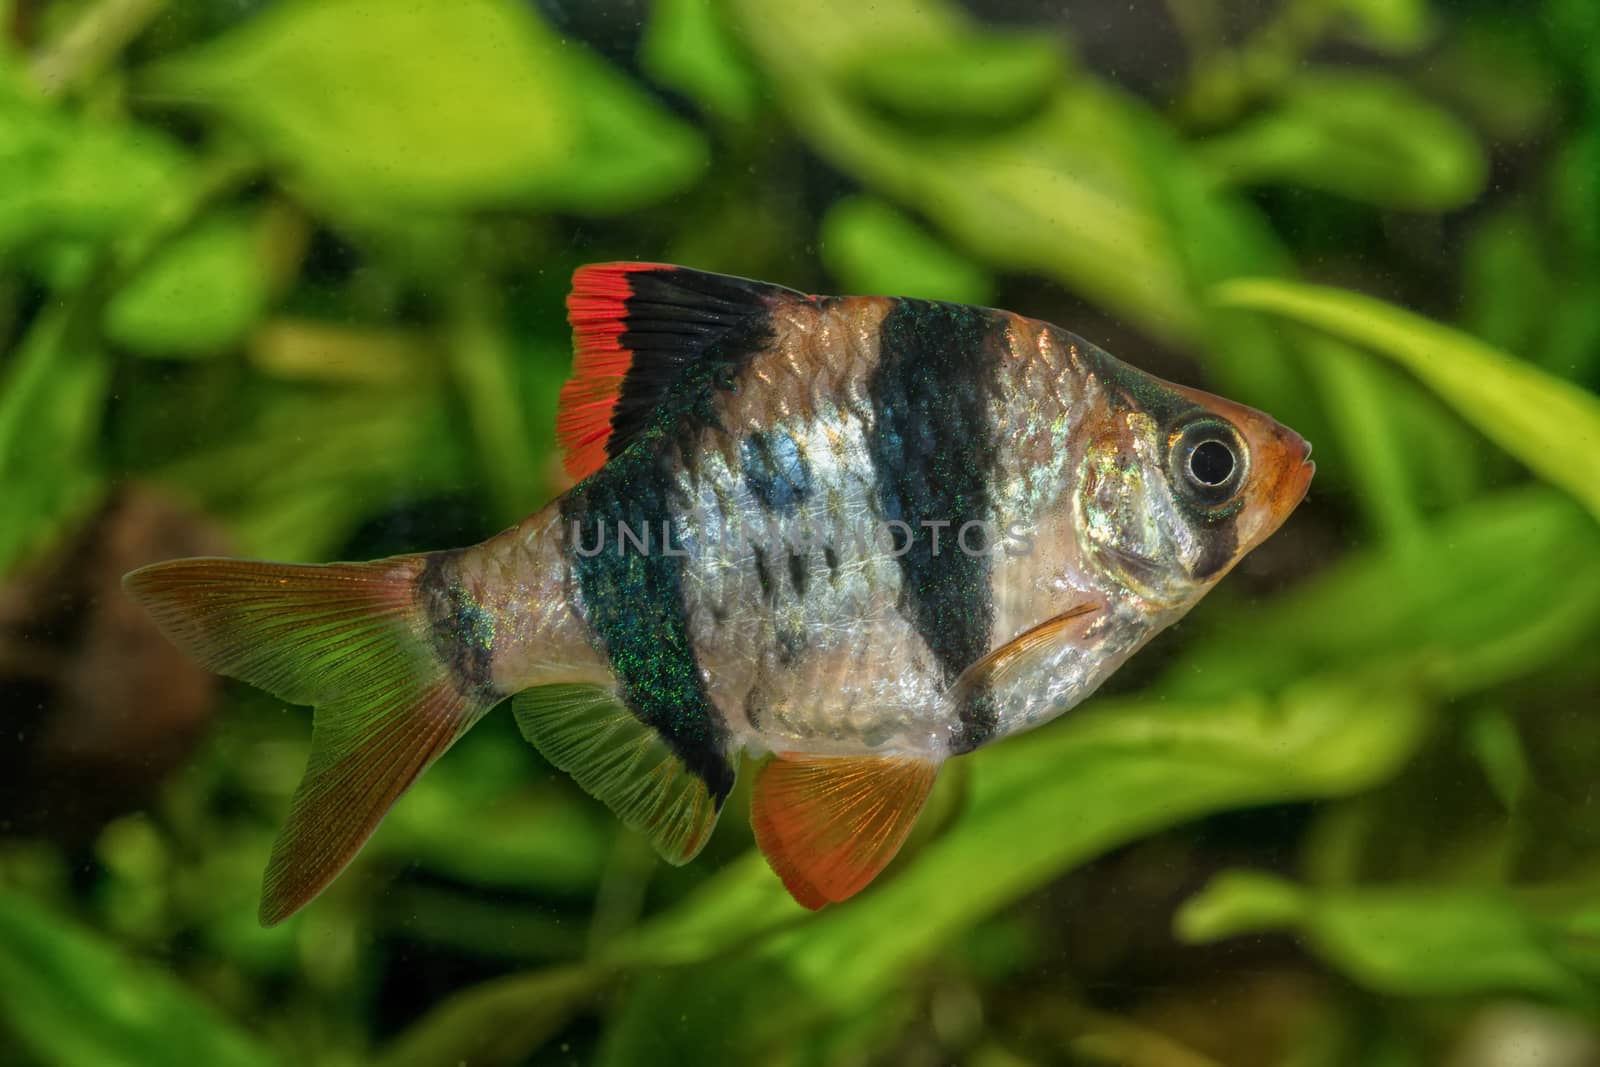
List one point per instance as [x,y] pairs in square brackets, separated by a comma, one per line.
[829,824]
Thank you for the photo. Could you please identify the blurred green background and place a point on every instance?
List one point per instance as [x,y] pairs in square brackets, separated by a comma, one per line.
[285,280]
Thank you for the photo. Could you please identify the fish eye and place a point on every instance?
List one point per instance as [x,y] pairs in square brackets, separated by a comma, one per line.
[1211,463]
[1208,459]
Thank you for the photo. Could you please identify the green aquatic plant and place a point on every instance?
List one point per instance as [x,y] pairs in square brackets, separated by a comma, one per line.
[299,267]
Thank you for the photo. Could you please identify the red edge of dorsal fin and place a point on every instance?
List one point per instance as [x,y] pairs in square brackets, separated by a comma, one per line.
[829,824]
[597,310]
[638,329]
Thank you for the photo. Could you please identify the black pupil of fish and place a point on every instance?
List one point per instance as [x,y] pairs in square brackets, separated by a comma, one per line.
[1211,463]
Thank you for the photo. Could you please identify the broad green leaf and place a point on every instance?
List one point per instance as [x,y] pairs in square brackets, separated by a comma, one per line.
[979,77]
[871,247]
[433,101]
[1093,190]
[627,152]
[1361,135]
[436,104]
[62,177]
[1063,192]
[1411,941]
[688,46]
[200,295]
[1549,424]
[1121,770]
[72,999]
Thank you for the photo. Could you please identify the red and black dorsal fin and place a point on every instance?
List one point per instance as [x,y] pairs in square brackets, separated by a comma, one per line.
[639,331]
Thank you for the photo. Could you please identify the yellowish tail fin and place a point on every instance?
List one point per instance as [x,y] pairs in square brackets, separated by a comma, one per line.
[351,639]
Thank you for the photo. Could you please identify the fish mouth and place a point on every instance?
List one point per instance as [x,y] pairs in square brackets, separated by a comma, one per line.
[1296,480]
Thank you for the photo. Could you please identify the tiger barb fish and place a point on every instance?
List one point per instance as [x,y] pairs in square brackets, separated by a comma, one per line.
[859,535]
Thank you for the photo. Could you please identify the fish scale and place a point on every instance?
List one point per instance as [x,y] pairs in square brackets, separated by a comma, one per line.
[769,550]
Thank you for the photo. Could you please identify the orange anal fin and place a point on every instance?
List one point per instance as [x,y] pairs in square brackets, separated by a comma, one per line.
[829,824]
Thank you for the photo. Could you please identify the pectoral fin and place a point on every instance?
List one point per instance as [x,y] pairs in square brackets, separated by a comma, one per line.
[829,824]
[1017,654]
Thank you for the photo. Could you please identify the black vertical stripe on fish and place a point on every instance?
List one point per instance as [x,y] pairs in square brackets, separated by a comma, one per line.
[634,604]
[933,448]
[977,719]
[462,630]
[1219,542]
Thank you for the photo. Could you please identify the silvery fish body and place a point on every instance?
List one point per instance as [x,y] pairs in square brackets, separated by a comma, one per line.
[863,534]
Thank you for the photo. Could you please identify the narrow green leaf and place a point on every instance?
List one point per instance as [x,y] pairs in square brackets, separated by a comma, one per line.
[1551,425]
[1376,465]
[1413,941]
[1362,135]
[1121,770]
[52,391]
[1239,902]
[1393,25]
[482,366]
[1452,598]
[498,1021]
[1492,738]
[73,999]
[289,495]
[978,77]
